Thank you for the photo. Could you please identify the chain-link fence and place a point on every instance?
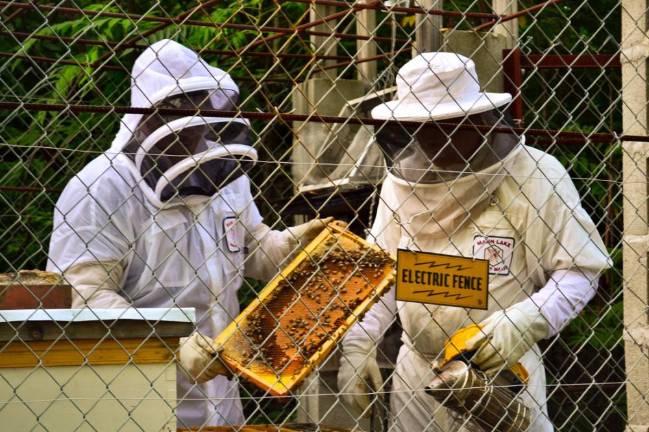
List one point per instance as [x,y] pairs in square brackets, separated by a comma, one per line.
[164,161]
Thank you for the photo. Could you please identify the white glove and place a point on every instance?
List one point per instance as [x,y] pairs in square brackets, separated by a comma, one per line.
[304,233]
[199,358]
[358,372]
[97,285]
[506,335]
[267,248]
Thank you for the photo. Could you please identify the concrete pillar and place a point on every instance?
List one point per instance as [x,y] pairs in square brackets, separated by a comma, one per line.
[427,28]
[323,45]
[325,97]
[508,29]
[485,49]
[366,26]
[635,50]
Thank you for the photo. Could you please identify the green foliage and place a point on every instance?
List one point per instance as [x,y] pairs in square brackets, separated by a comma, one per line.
[249,290]
[599,329]
[573,26]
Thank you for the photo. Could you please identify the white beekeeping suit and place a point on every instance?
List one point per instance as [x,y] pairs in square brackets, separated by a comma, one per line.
[166,219]
[477,193]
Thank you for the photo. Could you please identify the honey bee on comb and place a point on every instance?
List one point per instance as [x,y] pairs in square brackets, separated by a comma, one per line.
[300,315]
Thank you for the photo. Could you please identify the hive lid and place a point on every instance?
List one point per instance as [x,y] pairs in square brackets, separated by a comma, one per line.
[78,315]
[71,324]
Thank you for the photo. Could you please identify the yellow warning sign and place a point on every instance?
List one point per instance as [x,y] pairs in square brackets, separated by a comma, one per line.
[442,279]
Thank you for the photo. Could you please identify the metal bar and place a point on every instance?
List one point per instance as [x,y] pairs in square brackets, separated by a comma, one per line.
[56,61]
[230,53]
[29,189]
[377,5]
[26,35]
[546,133]
[134,17]
[366,59]
[506,18]
[144,34]
[115,68]
[77,11]
[302,27]
[346,36]
[121,69]
[572,61]
[12,16]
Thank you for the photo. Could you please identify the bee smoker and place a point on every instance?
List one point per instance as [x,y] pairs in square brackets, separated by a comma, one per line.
[488,405]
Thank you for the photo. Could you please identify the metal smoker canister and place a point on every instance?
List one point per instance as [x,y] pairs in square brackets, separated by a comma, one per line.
[488,406]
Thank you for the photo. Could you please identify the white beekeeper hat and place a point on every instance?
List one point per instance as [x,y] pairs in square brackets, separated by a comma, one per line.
[438,86]
[167,68]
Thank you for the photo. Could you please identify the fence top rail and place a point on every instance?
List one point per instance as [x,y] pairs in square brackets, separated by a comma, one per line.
[586,60]
[189,22]
[599,137]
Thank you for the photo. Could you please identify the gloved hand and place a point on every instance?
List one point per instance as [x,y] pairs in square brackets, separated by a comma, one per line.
[304,233]
[199,358]
[358,371]
[506,335]
[97,285]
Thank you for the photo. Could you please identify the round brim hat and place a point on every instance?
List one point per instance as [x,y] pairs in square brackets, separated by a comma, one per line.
[438,86]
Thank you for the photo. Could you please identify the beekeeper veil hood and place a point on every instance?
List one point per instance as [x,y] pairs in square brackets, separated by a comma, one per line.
[445,159]
[182,159]
[449,125]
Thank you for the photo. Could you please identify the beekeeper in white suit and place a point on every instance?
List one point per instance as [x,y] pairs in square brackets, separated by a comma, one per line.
[166,219]
[471,192]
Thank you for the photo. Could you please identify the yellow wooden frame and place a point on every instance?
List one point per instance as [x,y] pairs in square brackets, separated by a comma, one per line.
[19,354]
[283,384]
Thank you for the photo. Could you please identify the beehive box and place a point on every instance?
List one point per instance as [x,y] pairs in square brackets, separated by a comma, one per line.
[34,289]
[305,310]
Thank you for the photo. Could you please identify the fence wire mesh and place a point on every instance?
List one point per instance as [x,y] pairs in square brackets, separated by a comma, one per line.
[128,135]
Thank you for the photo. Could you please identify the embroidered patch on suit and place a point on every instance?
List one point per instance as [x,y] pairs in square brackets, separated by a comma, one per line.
[231,238]
[499,251]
